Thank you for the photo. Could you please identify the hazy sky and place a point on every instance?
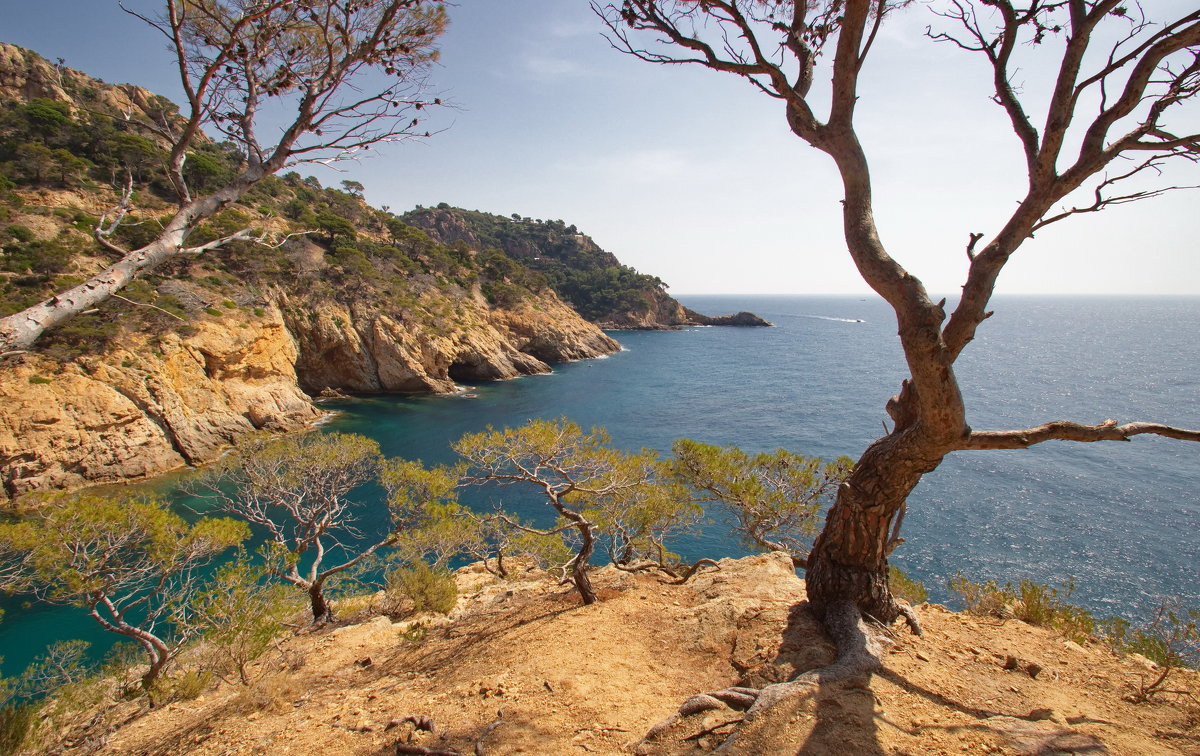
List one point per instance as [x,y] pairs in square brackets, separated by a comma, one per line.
[692,175]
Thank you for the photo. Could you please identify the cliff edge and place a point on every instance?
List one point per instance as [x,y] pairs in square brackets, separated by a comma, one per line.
[520,667]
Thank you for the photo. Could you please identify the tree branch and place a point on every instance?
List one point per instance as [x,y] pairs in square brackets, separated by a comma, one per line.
[1063,430]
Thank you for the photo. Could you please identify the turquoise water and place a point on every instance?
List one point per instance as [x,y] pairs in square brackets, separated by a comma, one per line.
[1121,519]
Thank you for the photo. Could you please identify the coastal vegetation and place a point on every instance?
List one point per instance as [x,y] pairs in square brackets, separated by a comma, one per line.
[137,568]
[131,565]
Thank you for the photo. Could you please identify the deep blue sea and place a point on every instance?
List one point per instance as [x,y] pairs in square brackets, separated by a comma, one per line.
[1120,519]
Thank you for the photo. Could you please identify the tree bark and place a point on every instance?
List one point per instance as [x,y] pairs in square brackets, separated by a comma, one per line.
[322,612]
[579,569]
[849,557]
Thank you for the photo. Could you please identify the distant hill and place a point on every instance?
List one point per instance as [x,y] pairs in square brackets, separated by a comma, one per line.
[593,281]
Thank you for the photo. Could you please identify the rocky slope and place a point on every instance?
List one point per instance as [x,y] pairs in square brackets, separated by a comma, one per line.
[521,667]
[139,411]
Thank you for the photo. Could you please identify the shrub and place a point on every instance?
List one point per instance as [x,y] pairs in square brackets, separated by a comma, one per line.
[1042,605]
[187,686]
[980,598]
[429,590]
[19,232]
[1170,639]
[904,587]
[1028,601]
[240,615]
[18,721]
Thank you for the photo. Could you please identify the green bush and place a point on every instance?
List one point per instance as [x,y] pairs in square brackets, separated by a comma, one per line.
[429,590]
[1170,639]
[83,334]
[1045,606]
[19,232]
[904,587]
[187,686]
[1028,601]
[986,599]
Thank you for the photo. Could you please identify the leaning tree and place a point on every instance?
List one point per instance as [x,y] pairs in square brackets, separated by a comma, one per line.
[285,83]
[1117,113]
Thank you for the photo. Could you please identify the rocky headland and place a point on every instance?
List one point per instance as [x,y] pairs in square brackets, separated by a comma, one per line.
[593,281]
[188,360]
[144,406]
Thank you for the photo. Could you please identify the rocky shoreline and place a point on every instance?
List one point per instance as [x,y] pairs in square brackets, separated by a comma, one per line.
[144,409]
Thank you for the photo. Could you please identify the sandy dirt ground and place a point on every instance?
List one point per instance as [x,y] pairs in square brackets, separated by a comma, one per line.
[520,667]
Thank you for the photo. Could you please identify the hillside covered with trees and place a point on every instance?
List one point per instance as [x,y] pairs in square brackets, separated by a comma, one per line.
[593,281]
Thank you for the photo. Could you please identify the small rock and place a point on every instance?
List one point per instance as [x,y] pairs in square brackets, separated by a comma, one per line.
[921,655]
[1034,669]
[1011,662]
[1040,715]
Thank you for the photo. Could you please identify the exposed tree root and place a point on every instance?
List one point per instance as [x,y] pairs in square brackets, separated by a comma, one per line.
[694,569]
[859,649]
[669,570]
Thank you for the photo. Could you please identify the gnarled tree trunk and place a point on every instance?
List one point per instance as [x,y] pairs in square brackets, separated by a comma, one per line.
[849,558]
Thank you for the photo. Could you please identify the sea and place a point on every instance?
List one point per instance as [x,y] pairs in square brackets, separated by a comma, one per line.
[1118,521]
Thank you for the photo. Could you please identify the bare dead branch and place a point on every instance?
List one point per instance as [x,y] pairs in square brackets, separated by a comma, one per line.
[147,304]
[974,239]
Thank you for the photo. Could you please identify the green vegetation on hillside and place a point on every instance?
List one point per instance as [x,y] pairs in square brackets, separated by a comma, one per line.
[593,281]
[333,245]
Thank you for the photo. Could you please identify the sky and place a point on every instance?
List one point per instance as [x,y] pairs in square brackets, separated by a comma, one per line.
[692,175]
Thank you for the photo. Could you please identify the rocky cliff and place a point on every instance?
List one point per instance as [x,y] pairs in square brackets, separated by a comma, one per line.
[140,409]
[364,347]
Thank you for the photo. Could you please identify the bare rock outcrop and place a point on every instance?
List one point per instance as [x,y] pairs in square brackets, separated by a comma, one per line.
[365,348]
[142,410]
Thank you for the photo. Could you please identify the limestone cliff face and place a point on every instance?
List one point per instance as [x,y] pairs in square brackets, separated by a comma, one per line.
[139,411]
[371,348]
